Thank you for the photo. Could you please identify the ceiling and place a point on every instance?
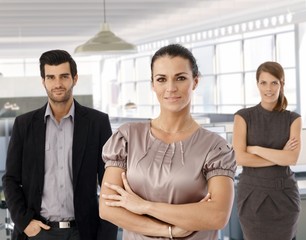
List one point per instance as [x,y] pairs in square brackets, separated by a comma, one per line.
[30,27]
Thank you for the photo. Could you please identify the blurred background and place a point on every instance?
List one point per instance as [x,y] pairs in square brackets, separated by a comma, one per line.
[113,41]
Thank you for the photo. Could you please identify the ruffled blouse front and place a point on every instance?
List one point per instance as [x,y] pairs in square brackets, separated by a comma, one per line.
[173,173]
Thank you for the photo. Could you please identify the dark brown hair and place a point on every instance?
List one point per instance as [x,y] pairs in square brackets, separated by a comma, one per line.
[57,57]
[276,70]
[176,50]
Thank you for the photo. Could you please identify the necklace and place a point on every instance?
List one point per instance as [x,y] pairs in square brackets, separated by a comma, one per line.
[179,131]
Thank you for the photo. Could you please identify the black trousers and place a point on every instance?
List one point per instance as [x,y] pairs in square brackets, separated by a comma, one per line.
[57,233]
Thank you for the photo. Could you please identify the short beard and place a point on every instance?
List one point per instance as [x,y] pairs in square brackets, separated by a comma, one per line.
[63,100]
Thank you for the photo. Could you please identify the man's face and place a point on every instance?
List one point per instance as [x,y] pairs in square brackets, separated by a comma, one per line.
[59,83]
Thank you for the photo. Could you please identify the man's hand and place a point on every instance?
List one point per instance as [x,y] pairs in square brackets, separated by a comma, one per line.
[34,228]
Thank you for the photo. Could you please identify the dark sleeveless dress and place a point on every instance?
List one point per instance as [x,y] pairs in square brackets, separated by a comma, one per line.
[268,198]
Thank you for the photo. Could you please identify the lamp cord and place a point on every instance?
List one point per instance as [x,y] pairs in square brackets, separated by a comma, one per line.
[104,11]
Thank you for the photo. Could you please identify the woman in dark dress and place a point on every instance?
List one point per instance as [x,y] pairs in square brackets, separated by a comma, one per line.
[266,139]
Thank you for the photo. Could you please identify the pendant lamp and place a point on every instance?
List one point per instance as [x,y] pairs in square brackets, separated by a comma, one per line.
[105,42]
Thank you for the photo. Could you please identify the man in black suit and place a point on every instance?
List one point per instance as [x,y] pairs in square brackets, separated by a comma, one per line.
[54,162]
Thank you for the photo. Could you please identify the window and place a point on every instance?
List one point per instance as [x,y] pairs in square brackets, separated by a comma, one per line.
[252,96]
[256,51]
[290,88]
[147,98]
[228,57]
[205,59]
[127,70]
[230,93]
[285,49]
[205,95]
[227,67]
[144,93]
[142,68]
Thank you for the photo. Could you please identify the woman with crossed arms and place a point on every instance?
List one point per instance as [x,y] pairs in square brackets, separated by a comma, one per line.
[168,177]
[267,141]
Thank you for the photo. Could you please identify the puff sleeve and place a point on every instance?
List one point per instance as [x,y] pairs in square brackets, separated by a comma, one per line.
[114,152]
[220,161]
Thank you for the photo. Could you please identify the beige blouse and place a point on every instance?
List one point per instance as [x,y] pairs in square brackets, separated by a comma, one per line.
[174,173]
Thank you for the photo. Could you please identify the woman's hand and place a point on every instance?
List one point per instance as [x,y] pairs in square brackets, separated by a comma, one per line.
[291,144]
[207,198]
[125,198]
[178,232]
[252,149]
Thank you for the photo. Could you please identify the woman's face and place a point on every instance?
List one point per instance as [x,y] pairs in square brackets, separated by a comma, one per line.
[269,88]
[173,82]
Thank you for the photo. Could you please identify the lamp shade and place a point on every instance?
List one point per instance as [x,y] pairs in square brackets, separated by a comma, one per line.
[107,42]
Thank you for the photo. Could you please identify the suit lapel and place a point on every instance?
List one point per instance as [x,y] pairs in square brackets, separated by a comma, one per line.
[39,135]
[79,140]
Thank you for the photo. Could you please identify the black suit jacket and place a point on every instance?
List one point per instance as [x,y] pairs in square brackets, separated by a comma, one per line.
[23,180]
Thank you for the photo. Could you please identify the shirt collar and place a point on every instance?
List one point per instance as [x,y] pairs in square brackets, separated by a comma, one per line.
[49,113]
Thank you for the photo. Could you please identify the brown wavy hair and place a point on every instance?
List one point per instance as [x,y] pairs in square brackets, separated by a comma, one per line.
[276,70]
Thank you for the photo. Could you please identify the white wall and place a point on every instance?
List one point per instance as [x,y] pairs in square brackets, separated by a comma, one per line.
[12,87]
